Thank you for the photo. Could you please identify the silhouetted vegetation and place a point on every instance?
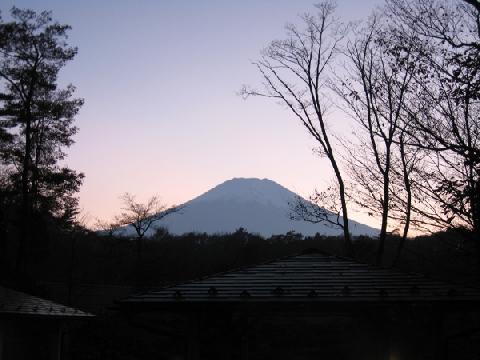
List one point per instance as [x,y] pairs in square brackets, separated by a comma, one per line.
[92,271]
[409,77]
[76,260]
[37,193]
[412,85]
[387,87]
[295,72]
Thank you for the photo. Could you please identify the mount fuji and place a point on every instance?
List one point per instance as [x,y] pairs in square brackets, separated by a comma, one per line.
[259,206]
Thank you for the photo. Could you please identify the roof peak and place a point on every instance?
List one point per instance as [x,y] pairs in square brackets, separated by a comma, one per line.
[312,275]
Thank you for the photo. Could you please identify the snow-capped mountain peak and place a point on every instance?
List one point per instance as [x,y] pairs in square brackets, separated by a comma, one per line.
[258,205]
[249,190]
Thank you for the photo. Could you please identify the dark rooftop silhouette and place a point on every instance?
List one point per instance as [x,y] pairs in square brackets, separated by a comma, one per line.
[312,276]
[14,302]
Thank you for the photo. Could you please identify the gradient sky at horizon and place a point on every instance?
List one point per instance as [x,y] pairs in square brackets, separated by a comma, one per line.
[162,115]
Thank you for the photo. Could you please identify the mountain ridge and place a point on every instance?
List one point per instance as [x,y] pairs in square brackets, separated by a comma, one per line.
[260,206]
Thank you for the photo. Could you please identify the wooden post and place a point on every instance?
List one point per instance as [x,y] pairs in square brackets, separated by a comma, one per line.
[244,328]
[55,338]
[2,335]
[384,353]
[193,341]
[382,323]
[228,344]
[440,350]
[244,347]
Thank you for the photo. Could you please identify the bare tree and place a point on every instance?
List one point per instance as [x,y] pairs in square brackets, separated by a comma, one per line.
[406,174]
[295,72]
[323,207]
[445,121]
[142,216]
[374,90]
[107,227]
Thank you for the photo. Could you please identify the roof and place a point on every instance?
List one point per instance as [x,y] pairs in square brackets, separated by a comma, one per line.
[307,278]
[14,302]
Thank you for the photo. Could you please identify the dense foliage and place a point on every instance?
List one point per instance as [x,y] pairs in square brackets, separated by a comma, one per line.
[36,125]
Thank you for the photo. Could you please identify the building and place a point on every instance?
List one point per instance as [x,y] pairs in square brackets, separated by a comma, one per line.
[32,327]
[313,305]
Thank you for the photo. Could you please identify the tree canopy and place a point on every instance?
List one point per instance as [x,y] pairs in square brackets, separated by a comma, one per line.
[36,123]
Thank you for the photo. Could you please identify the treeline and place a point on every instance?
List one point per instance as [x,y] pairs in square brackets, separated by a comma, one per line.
[81,262]
[171,258]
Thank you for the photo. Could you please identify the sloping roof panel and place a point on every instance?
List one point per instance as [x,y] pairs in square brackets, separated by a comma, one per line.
[313,277]
[14,302]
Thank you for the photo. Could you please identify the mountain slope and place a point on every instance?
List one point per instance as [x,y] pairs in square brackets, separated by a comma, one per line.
[259,206]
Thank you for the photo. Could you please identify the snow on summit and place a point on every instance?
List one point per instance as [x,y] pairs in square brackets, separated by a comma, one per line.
[242,190]
[259,206]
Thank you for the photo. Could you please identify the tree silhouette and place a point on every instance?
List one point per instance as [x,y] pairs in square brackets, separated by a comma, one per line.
[445,105]
[141,216]
[295,72]
[375,90]
[37,119]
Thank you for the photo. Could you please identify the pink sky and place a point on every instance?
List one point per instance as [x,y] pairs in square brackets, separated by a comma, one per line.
[161,114]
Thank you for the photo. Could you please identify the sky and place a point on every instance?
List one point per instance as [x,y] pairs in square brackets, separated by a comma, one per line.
[162,115]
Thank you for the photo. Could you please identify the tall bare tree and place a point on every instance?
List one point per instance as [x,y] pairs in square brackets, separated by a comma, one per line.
[445,121]
[374,89]
[410,162]
[295,72]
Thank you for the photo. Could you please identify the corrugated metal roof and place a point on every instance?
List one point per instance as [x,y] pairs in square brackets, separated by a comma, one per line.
[14,302]
[312,277]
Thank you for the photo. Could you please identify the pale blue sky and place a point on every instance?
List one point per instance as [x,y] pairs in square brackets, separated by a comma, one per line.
[161,114]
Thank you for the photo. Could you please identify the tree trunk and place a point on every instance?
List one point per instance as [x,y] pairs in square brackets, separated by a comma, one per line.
[35,171]
[26,207]
[25,212]
[138,262]
[405,228]
[346,230]
[71,269]
[408,210]
[383,228]
[476,223]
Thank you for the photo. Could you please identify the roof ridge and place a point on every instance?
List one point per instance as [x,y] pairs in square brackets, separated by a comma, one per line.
[5,292]
[174,284]
[241,268]
[379,270]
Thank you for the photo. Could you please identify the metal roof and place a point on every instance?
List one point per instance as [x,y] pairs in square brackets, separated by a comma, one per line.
[310,277]
[14,302]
